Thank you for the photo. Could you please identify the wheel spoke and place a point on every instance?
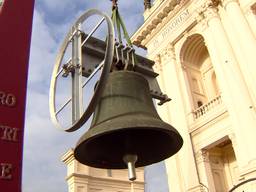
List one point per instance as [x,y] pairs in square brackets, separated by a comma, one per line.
[63,106]
[92,75]
[73,67]
[94,29]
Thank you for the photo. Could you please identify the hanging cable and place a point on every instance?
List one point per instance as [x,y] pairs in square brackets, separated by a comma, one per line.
[125,55]
[119,24]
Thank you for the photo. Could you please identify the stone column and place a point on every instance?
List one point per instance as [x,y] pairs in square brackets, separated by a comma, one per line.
[177,71]
[205,171]
[177,107]
[246,41]
[235,93]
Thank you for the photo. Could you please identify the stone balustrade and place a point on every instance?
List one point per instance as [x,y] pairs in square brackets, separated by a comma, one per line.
[204,109]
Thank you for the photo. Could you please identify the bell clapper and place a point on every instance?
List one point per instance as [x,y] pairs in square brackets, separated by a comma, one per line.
[130,160]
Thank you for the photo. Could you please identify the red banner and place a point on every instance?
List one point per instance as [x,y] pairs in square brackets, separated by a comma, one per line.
[15,33]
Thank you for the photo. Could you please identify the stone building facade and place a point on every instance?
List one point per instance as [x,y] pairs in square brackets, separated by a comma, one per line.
[205,54]
[81,178]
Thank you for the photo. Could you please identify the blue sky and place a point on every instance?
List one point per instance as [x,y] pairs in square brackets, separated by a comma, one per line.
[44,145]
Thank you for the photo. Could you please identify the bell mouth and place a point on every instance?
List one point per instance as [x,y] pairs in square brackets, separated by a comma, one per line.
[150,139]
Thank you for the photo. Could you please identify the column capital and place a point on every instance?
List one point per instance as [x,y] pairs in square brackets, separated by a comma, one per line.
[157,58]
[158,67]
[211,4]
[224,3]
[200,18]
[210,11]
[170,51]
[200,14]
[202,156]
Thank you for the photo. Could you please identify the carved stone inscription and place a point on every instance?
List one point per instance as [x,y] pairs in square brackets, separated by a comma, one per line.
[175,23]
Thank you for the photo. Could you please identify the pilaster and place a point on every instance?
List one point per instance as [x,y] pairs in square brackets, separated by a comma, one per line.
[205,172]
[179,118]
[235,92]
[245,43]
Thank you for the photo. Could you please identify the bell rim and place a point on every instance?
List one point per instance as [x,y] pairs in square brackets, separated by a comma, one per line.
[163,128]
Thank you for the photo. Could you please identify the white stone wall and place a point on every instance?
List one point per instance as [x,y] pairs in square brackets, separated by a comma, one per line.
[176,37]
[81,178]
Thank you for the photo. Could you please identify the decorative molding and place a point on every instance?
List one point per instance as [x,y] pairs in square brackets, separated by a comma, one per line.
[202,156]
[158,67]
[211,11]
[68,157]
[253,8]
[147,4]
[200,15]
[224,3]
[200,19]
[170,51]
[157,59]
[232,137]
[205,12]
[206,44]
[156,18]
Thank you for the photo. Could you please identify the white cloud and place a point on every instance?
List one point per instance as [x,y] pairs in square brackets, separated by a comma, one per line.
[42,52]
[60,5]
[43,146]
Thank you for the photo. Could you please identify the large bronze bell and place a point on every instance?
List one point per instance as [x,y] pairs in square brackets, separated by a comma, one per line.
[126,123]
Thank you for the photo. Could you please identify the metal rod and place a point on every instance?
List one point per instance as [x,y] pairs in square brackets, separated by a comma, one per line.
[94,29]
[62,107]
[72,35]
[84,84]
[77,98]
[92,75]
[60,71]
[130,160]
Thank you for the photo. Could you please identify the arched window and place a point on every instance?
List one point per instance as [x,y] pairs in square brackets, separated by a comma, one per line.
[200,73]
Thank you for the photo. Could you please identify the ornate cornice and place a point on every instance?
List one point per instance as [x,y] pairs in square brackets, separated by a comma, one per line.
[68,157]
[155,19]
[206,12]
